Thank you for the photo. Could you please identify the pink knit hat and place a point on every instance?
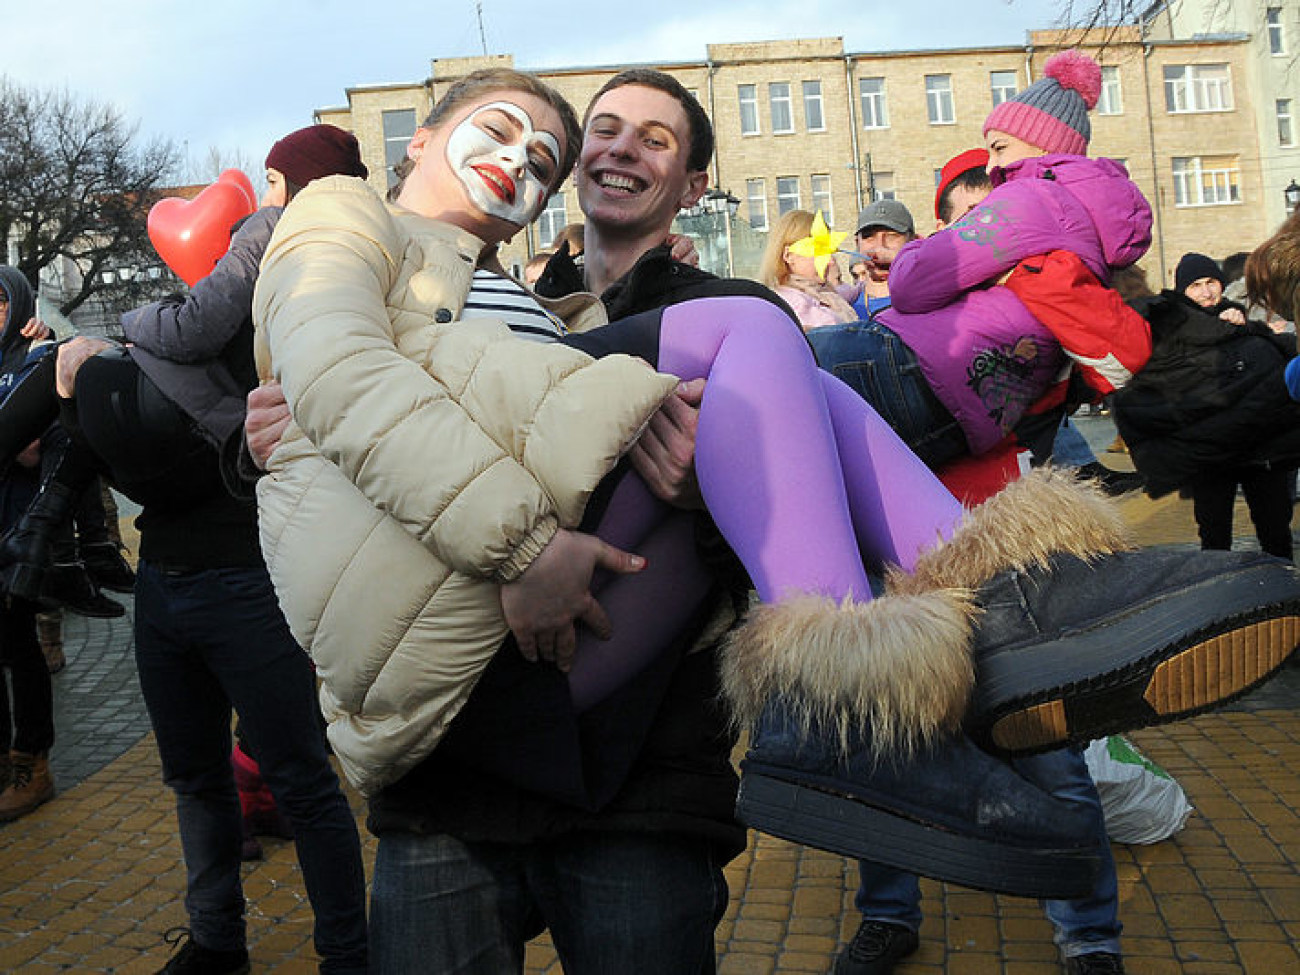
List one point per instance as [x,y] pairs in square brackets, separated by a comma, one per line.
[1052,113]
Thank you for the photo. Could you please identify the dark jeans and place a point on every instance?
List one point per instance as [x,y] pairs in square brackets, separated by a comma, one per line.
[632,903]
[879,367]
[29,726]
[209,640]
[1268,496]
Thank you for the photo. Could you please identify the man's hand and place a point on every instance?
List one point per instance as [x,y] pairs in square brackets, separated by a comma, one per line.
[35,330]
[681,249]
[1233,316]
[72,354]
[664,454]
[268,415]
[29,456]
[542,605]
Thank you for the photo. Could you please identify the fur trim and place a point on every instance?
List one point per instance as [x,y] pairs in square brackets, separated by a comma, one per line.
[1048,511]
[899,665]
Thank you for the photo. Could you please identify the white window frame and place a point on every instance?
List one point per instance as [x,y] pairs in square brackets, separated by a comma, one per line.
[939,105]
[780,104]
[395,145]
[1000,89]
[883,186]
[756,199]
[878,116]
[747,96]
[814,114]
[1285,123]
[787,195]
[1111,99]
[551,221]
[1198,88]
[822,197]
[1201,181]
[1276,31]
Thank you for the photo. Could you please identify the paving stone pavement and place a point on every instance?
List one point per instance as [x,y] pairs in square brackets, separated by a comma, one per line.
[91,881]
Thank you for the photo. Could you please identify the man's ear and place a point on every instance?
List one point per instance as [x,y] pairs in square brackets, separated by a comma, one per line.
[696,184]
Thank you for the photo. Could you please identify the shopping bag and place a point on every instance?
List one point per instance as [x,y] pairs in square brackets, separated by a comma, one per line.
[1141,801]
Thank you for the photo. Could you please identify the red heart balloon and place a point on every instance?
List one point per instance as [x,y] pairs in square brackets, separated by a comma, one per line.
[240,179]
[192,235]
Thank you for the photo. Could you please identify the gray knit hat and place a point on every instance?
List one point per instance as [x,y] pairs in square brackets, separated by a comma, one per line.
[1052,113]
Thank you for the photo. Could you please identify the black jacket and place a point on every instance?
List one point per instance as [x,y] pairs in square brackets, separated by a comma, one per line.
[517,765]
[1211,397]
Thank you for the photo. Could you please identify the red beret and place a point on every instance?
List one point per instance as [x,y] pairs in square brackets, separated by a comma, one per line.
[954,167]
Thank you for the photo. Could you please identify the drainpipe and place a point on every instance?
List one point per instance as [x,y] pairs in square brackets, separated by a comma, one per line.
[717,166]
[1155,173]
[853,128]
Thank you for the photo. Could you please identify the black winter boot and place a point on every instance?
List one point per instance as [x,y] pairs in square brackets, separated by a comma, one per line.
[27,549]
[950,811]
[1073,650]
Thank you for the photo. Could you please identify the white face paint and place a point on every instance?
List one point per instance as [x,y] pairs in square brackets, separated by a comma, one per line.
[505,165]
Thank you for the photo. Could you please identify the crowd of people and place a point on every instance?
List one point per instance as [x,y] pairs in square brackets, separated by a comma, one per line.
[585,528]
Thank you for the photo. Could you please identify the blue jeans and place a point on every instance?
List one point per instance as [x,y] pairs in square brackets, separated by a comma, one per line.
[633,903]
[883,370]
[204,642]
[1083,926]
[1070,449]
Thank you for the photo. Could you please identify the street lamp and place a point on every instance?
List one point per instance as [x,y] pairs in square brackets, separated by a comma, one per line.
[1292,194]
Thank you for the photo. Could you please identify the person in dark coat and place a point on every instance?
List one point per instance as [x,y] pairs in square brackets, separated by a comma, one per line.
[1210,410]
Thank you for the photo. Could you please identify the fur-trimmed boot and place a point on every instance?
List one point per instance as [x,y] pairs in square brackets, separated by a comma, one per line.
[1079,637]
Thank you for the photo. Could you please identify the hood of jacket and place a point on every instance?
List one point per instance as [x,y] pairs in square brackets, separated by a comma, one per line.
[1116,207]
[22,306]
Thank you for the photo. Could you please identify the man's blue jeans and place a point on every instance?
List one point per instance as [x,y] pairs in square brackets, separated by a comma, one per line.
[879,367]
[205,641]
[632,903]
[1082,926]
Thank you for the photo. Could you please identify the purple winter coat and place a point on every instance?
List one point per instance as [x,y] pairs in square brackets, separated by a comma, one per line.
[986,358]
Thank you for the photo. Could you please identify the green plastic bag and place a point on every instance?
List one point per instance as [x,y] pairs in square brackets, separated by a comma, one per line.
[1141,801]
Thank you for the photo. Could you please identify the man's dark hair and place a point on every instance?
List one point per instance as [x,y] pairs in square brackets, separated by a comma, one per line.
[701,146]
[1234,267]
[976,178]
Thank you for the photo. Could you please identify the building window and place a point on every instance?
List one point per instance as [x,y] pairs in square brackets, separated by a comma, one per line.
[938,99]
[813,118]
[1206,180]
[1276,38]
[552,220]
[882,186]
[1285,130]
[748,109]
[875,113]
[778,95]
[1111,101]
[1003,86]
[787,194]
[821,199]
[1198,88]
[399,126]
[756,198]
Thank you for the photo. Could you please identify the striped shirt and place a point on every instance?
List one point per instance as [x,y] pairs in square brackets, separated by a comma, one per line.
[500,297]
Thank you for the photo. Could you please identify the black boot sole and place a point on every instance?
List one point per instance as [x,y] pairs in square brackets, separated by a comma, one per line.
[1197,658]
[829,820]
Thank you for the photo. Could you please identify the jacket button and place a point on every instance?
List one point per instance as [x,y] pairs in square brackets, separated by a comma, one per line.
[442,316]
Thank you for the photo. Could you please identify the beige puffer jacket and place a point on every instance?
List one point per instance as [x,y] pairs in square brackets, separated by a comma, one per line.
[431,458]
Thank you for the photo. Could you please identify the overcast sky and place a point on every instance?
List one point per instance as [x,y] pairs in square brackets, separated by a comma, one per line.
[236,75]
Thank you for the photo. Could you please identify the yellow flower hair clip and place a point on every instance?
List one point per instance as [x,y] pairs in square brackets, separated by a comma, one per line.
[821,245]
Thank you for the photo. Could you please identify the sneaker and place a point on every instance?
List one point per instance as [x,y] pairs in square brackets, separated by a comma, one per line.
[876,949]
[1095,963]
[106,566]
[194,959]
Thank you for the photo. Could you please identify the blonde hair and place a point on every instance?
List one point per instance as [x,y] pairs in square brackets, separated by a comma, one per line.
[484,82]
[793,225]
[1273,271]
